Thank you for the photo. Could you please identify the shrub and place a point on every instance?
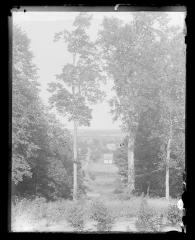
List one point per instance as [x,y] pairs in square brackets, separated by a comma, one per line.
[148,219]
[101,214]
[174,215]
[75,217]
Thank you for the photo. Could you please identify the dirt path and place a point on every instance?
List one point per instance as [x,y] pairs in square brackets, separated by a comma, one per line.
[104,183]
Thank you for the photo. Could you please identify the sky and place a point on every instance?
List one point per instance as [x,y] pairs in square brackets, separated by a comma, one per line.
[50,57]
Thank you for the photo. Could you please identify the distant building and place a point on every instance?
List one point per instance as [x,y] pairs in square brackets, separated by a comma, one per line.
[108,158]
[108,161]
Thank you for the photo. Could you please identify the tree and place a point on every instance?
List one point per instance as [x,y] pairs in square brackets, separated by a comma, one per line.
[25,105]
[173,97]
[41,147]
[123,45]
[148,175]
[139,57]
[51,167]
[79,83]
[59,168]
[120,158]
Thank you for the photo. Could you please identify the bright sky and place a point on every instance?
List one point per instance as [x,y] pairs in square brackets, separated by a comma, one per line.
[50,57]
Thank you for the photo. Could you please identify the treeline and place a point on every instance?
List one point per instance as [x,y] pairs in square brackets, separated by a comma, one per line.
[146,60]
[42,154]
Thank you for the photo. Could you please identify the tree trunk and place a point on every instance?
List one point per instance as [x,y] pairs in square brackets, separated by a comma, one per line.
[35,186]
[86,165]
[75,162]
[131,174]
[74,141]
[148,190]
[168,161]
[167,169]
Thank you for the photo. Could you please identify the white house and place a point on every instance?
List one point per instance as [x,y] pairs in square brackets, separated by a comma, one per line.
[108,158]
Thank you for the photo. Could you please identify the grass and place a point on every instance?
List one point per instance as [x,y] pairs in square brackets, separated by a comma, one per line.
[31,214]
[130,208]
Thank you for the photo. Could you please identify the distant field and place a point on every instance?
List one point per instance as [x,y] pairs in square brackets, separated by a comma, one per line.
[107,135]
[100,132]
[101,167]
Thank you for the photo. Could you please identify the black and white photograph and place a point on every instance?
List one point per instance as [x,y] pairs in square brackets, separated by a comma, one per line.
[98,121]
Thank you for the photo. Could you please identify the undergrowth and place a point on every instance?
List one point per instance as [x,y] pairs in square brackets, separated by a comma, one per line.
[148,220]
[101,215]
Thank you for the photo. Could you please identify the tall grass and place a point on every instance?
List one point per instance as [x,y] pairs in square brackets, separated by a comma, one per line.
[25,212]
[28,214]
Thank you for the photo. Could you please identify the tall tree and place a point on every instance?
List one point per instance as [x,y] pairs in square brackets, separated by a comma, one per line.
[137,55]
[147,150]
[123,46]
[172,94]
[79,82]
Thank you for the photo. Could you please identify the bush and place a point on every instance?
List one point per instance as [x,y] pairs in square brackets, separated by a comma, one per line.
[101,214]
[148,219]
[75,217]
[174,215]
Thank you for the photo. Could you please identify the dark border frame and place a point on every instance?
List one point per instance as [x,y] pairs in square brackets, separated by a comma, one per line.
[68,6]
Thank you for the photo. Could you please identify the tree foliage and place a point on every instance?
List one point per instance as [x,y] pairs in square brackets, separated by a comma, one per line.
[79,83]
[146,60]
[41,147]
[24,105]
[121,161]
